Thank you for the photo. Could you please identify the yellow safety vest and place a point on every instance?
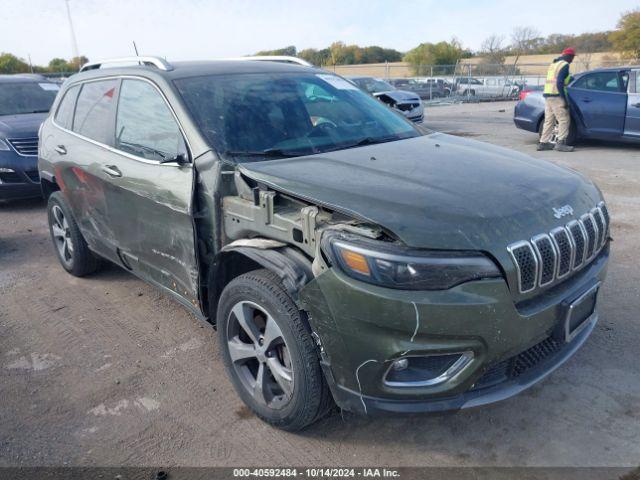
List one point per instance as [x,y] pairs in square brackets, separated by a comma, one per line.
[551,84]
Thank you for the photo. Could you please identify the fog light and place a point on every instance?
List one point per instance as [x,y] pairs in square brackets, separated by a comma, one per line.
[6,170]
[401,364]
[428,370]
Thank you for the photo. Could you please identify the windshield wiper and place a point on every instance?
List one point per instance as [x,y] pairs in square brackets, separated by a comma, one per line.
[369,141]
[269,152]
[146,148]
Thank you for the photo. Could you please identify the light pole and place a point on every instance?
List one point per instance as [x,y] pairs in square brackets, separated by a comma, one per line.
[74,42]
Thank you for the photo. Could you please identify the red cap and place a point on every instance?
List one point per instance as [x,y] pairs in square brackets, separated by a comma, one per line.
[569,51]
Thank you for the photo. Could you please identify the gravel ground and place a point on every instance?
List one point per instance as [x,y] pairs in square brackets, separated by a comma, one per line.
[107,371]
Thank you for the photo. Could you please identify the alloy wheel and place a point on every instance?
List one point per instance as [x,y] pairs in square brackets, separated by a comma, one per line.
[259,355]
[61,234]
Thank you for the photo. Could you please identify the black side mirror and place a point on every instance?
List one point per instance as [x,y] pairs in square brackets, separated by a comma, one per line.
[180,159]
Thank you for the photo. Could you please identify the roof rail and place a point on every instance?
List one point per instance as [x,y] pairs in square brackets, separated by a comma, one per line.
[273,58]
[157,62]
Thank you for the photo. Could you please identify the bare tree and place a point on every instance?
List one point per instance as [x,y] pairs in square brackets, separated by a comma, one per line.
[493,53]
[525,39]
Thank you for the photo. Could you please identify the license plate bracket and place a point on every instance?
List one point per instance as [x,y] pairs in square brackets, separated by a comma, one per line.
[579,312]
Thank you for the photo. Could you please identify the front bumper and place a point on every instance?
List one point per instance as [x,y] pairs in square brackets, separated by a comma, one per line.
[23,180]
[362,329]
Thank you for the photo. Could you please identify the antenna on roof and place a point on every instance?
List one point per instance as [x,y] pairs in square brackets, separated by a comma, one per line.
[135,48]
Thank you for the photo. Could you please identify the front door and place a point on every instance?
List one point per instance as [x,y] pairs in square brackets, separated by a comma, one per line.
[632,121]
[149,198]
[600,99]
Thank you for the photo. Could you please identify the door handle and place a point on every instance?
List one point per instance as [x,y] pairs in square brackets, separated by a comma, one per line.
[112,171]
[61,149]
[637,105]
[586,100]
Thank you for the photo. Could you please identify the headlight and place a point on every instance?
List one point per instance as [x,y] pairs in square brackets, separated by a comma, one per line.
[3,145]
[394,266]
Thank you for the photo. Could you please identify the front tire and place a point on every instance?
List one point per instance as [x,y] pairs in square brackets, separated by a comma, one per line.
[70,246]
[269,354]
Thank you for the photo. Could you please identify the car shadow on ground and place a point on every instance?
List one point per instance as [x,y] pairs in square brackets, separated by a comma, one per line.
[26,205]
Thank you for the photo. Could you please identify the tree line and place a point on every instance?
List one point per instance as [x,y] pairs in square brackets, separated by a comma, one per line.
[523,41]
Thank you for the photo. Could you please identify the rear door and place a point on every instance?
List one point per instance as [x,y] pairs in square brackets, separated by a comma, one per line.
[82,148]
[600,99]
[150,191]
[632,121]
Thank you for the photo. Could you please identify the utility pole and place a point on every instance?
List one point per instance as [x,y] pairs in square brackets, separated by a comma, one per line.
[74,42]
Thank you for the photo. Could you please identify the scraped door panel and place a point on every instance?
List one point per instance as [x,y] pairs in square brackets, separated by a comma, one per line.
[149,199]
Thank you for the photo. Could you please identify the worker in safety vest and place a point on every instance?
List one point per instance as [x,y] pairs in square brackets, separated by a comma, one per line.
[557,103]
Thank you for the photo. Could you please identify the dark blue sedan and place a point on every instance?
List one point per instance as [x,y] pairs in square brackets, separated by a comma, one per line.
[25,101]
[604,104]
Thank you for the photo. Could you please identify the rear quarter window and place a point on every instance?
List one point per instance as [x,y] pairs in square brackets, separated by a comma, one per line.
[64,115]
[95,110]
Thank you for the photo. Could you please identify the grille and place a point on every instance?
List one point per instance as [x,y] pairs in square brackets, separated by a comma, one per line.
[550,257]
[605,215]
[405,107]
[10,177]
[516,366]
[599,219]
[590,229]
[547,256]
[33,175]
[527,265]
[578,236]
[25,146]
[564,249]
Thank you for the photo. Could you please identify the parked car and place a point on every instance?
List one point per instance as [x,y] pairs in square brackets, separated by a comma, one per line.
[527,89]
[486,87]
[25,101]
[344,254]
[425,90]
[407,103]
[604,104]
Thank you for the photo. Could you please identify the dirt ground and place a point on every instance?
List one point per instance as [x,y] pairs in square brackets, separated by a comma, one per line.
[107,371]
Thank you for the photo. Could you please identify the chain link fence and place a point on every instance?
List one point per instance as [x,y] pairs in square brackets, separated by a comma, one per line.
[464,81]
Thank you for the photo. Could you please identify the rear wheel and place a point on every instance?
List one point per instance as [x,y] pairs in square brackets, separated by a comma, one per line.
[268,352]
[71,247]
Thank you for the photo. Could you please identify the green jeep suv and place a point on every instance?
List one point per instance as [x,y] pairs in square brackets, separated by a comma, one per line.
[345,255]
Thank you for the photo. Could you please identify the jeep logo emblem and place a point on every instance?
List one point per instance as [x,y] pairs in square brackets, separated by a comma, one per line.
[562,211]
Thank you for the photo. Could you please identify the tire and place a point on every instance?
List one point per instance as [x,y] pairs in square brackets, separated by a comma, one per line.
[571,138]
[254,309]
[70,246]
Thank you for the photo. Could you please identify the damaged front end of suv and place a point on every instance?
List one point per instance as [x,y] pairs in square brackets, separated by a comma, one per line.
[344,253]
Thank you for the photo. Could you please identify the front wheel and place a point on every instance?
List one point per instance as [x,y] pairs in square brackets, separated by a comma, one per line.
[269,353]
[71,247]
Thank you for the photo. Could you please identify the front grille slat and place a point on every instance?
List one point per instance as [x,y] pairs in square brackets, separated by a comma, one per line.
[547,258]
[527,265]
[550,257]
[592,234]
[564,249]
[25,146]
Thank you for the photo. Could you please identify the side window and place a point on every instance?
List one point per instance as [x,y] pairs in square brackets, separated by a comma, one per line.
[491,82]
[145,126]
[600,81]
[64,115]
[95,109]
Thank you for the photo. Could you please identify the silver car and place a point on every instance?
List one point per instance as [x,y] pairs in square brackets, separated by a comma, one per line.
[407,103]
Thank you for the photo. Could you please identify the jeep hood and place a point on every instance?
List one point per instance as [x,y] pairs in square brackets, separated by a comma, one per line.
[436,191]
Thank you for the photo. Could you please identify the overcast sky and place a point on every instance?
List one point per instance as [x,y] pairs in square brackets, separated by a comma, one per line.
[200,29]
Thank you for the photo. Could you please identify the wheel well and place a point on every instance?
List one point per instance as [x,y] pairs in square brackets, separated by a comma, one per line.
[291,266]
[48,187]
[227,266]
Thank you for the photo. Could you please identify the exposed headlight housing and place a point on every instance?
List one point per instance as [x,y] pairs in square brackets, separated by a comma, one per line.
[394,266]
[3,145]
